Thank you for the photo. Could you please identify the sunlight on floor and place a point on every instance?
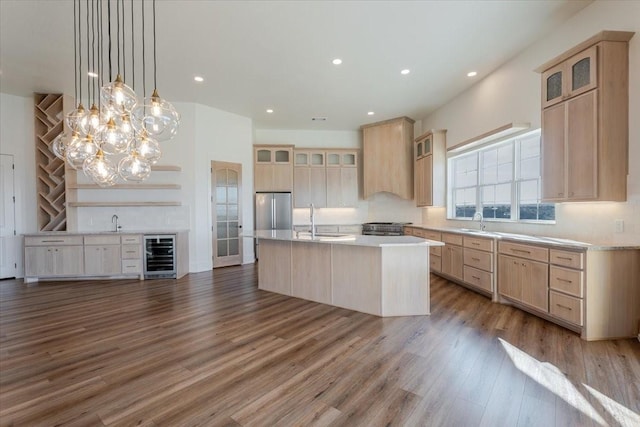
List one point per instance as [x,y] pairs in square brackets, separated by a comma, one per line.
[552,379]
[625,416]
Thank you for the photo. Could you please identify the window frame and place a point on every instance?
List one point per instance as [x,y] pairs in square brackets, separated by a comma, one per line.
[515,182]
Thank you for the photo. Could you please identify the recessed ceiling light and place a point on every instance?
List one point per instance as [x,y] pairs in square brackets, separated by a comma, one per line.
[405,71]
[472,73]
[199,79]
[337,61]
[371,113]
[269,110]
[92,74]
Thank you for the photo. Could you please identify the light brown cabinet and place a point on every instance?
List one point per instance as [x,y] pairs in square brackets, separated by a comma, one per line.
[325,178]
[429,168]
[102,260]
[273,168]
[309,179]
[478,262]
[53,261]
[387,157]
[585,128]
[524,281]
[452,256]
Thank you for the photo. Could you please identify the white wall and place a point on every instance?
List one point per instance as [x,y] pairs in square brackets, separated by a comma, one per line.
[379,207]
[512,94]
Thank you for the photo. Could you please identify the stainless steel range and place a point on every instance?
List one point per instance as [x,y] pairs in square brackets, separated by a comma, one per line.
[384,228]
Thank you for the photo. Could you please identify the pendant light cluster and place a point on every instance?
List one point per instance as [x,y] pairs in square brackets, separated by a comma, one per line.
[117,137]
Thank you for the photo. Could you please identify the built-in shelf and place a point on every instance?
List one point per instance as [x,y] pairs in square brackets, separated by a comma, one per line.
[119,204]
[126,187]
[166,168]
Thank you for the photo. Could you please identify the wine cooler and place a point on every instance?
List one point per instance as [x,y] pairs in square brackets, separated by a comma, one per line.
[160,256]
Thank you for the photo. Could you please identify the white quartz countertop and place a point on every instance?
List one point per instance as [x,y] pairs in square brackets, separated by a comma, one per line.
[87,232]
[346,239]
[552,241]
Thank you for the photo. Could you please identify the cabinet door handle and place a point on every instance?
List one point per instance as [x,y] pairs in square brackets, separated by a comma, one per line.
[521,250]
[564,257]
[564,280]
[475,243]
[476,277]
[565,307]
[560,194]
[476,259]
[53,241]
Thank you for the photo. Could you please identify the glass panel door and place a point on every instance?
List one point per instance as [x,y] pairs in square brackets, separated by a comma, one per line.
[227,216]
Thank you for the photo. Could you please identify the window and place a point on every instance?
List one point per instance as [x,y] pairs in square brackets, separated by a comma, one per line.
[501,180]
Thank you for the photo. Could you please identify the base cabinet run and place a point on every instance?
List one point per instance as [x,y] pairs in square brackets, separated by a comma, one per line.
[77,256]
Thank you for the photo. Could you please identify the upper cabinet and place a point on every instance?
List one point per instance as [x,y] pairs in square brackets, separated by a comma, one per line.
[429,168]
[325,178]
[273,168]
[585,121]
[387,157]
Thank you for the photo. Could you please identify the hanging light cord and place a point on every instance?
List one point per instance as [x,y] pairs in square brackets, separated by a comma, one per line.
[79,51]
[124,60]
[75,53]
[155,68]
[144,72]
[88,78]
[118,31]
[133,60]
[109,31]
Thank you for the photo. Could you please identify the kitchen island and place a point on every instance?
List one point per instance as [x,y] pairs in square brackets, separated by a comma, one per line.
[380,275]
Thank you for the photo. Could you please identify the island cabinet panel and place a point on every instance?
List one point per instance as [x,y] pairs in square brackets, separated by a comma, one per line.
[355,281]
[274,268]
[402,266]
[311,271]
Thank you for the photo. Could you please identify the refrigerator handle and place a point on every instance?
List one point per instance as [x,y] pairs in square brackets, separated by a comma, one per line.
[273,213]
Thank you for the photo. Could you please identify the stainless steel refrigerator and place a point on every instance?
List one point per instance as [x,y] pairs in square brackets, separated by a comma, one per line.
[273,212]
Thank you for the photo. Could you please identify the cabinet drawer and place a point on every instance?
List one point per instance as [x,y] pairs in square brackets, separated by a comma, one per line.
[453,239]
[351,229]
[536,253]
[435,250]
[478,278]
[418,233]
[478,259]
[435,263]
[131,251]
[52,240]
[566,307]
[567,258]
[478,243]
[566,280]
[326,228]
[102,240]
[131,239]
[131,266]
[432,235]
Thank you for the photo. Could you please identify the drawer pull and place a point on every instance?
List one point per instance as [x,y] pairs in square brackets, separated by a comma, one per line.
[476,259]
[565,307]
[476,277]
[564,280]
[53,241]
[565,257]
[521,250]
[130,252]
[475,243]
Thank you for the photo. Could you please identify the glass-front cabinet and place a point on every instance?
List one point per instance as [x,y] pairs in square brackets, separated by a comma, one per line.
[570,78]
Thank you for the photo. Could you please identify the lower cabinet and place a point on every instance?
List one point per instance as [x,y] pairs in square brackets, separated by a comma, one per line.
[452,256]
[525,281]
[102,260]
[53,260]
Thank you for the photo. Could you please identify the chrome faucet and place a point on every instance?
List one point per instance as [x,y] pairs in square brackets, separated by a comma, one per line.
[478,216]
[312,218]
[114,219]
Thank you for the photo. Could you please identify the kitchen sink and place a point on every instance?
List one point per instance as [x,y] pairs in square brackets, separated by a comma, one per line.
[476,231]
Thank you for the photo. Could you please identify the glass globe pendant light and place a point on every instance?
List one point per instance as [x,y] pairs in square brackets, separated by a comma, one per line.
[112,139]
[77,118]
[147,148]
[62,142]
[118,95]
[133,167]
[92,125]
[157,117]
[80,149]
[100,169]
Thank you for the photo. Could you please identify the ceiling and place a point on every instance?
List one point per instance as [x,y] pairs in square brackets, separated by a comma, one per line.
[256,55]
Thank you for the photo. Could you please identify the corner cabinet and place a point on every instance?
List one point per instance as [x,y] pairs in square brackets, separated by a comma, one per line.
[429,168]
[273,168]
[387,157]
[585,121]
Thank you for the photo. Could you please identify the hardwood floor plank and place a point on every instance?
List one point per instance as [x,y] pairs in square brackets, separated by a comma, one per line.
[211,349]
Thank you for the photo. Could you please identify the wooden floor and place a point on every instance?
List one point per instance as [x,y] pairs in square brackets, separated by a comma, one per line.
[211,349]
